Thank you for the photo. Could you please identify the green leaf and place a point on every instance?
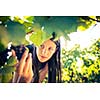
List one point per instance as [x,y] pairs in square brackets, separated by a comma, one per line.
[11,61]
[4,39]
[30,19]
[6,78]
[39,37]
[16,32]
[6,70]
[58,24]
[28,26]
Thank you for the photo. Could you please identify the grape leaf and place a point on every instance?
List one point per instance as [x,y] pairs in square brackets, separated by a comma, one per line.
[61,25]
[44,27]
[6,70]
[16,32]
[26,21]
[6,78]
[3,36]
[11,61]
[39,37]
[58,24]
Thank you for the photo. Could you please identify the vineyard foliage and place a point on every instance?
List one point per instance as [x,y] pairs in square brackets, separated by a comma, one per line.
[14,28]
[7,71]
[81,66]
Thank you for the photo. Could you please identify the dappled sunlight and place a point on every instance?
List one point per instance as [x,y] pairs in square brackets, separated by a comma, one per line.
[85,38]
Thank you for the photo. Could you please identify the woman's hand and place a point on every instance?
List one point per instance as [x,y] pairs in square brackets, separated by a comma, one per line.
[24,72]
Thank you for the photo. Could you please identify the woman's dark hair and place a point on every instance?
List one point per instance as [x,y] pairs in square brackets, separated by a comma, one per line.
[54,66]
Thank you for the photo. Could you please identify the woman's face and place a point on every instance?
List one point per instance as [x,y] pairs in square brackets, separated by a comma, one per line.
[46,50]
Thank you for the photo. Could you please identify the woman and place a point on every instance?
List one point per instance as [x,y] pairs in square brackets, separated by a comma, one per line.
[36,62]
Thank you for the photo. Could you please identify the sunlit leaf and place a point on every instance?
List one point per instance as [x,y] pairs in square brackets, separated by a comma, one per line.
[39,37]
